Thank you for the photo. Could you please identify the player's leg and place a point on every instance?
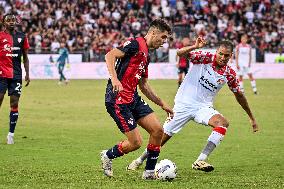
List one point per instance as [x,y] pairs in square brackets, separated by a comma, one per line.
[135,164]
[209,116]
[252,82]
[133,142]
[152,125]
[171,126]
[14,115]
[60,71]
[3,89]
[125,121]
[180,77]
[1,98]
[241,83]
[14,91]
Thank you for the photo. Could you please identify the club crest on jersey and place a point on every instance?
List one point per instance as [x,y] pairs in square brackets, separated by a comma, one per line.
[19,40]
[220,81]
[130,121]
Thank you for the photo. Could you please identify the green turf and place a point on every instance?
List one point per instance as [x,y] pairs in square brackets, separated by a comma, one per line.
[62,129]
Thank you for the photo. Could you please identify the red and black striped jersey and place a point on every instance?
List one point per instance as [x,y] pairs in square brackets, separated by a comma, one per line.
[11,50]
[130,69]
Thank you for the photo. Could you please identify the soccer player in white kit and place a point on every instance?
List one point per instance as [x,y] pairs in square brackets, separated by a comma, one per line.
[243,63]
[194,99]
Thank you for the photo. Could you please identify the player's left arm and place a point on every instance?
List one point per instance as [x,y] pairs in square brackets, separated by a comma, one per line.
[240,97]
[67,52]
[233,84]
[26,66]
[26,61]
[250,56]
[151,95]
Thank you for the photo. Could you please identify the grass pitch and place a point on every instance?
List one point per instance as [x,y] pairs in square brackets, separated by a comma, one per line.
[62,129]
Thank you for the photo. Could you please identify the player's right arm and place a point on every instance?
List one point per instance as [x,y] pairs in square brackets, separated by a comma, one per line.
[199,43]
[129,48]
[111,58]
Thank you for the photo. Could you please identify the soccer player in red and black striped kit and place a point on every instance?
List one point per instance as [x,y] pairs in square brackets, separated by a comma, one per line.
[128,67]
[183,63]
[13,45]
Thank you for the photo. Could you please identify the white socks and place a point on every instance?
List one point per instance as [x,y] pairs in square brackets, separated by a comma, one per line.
[214,140]
[11,134]
[253,85]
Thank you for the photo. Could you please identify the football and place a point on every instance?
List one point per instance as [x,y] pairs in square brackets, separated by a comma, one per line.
[166,170]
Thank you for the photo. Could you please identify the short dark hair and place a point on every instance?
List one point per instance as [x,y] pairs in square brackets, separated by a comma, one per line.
[227,44]
[8,14]
[161,25]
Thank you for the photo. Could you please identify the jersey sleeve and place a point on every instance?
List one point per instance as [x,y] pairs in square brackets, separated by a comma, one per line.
[26,43]
[200,57]
[233,82]
[129,47]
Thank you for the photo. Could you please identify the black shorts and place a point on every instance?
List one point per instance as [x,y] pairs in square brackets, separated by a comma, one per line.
[14,86]
[182,70]
[126,115]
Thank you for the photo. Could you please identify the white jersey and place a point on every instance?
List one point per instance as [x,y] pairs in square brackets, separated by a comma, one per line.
[203,82]
[244,51]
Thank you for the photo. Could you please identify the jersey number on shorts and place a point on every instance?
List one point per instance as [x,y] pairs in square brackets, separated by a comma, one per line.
[19,88]
[145,103]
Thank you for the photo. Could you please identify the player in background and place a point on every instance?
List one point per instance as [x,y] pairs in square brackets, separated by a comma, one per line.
[243,63]
[183,64]
[128,67]
[13,45]
[195,96]
[62,59]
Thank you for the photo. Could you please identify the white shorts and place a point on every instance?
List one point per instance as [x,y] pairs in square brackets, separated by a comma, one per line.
[182,115]
[244,70]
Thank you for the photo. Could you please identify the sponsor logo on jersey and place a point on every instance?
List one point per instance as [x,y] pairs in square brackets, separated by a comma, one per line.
[19,40]
[12,55]
[15,48]
[207,84]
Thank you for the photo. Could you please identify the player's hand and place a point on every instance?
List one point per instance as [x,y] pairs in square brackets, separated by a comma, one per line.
[254,125]
[27,79]
[168,109]
[200,42]
[117,86]
[238,67]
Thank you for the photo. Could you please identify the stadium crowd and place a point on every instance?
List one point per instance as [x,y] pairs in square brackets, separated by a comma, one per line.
[98,25]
